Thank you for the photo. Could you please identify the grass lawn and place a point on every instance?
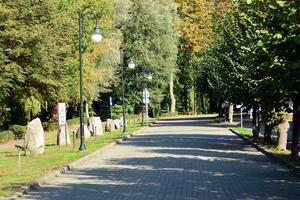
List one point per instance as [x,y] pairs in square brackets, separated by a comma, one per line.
[244,131]
[34,167]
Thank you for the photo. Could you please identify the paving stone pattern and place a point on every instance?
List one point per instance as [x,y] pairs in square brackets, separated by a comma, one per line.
[176,160]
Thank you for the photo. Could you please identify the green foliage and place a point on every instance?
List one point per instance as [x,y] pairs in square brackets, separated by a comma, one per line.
[39,55]
[117,111]
[18,130]
[150,40]
[276,118]
[6,136]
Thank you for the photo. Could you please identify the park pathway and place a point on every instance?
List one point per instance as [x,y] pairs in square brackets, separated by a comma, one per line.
[184,159]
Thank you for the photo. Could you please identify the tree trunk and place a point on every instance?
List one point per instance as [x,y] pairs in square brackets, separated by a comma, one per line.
[254,123]
[267,134]
[172,97]
[230,113]
[87,110]
[258,122]
[296,128]
[282,130]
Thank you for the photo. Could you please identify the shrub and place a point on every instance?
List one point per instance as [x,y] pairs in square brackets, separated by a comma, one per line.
[18,130]
[6,136]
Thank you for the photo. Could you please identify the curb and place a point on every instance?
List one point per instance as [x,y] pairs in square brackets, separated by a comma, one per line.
[46,179]
[279,160]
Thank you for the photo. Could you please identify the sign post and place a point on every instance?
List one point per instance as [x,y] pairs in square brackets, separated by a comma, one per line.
[146,95]
[241,111]
[110,107]
[62,120]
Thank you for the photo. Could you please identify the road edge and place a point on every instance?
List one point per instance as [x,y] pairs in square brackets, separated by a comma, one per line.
[279,160]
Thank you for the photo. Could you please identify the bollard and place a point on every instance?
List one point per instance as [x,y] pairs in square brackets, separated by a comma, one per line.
[19,161]
[74,140]
[95,131]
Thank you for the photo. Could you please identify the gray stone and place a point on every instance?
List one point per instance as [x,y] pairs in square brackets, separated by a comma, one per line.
[110,125]
[63,136]
[121,121]
[34,137]
[117,123]
[87,132]
[95,126]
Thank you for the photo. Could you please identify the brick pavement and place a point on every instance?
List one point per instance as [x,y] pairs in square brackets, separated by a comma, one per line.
[176,160]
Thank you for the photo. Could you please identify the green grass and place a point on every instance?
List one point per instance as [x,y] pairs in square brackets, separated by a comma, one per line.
[34,167]
[285,154]
[244,131]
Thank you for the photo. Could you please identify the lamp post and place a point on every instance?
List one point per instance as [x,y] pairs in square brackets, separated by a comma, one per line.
[131,65]
[96,38]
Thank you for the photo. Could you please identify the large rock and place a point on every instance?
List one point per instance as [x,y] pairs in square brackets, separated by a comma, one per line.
[117,123]
[110,125]
[121,121]
[34,137]
[63,136]
[87,132]
[95,126]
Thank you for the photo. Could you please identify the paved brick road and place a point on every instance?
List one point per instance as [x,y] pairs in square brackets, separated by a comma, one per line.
[178,159]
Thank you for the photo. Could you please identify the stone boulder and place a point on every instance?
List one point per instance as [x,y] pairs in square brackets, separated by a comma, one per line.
[121,121]
[117,123]
[95,126]
[87,132]
[110,125]
[34,137]
[63,136]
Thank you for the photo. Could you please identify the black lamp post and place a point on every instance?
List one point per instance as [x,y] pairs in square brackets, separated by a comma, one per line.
[131,65]
[96,38]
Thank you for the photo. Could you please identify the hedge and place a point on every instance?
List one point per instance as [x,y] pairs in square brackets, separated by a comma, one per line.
[6,136]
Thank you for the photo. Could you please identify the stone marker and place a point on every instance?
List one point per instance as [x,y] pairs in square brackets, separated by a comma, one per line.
[121,121]
[110,125]
[61,135]
[117,123]
[87,132]
[34,137]
[95,126]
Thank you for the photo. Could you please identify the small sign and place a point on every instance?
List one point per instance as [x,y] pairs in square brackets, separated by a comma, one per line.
[62,118]
[239,105]
[110,101]
[146,93]
[146,101]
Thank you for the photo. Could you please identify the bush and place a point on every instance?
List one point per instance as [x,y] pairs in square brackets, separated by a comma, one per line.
[18,130]
[6,136]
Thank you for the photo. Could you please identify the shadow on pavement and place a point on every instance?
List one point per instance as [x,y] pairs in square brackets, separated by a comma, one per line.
[191,166]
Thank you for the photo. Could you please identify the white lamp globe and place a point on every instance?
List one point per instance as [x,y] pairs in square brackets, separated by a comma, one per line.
[96,35]
[131,64]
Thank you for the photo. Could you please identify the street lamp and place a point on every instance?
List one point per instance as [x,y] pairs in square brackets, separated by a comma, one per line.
[130,65]
[96,38]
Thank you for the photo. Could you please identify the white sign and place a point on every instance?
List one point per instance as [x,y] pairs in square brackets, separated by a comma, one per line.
[62,118]
[146,93]
[146,101]
[239,105]
[110,101]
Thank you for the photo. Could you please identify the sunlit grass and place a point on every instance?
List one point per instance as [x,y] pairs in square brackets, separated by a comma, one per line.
[244,131]
[34,167]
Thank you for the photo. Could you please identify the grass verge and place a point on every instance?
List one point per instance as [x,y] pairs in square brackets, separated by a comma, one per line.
[34,167]
[284,154]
